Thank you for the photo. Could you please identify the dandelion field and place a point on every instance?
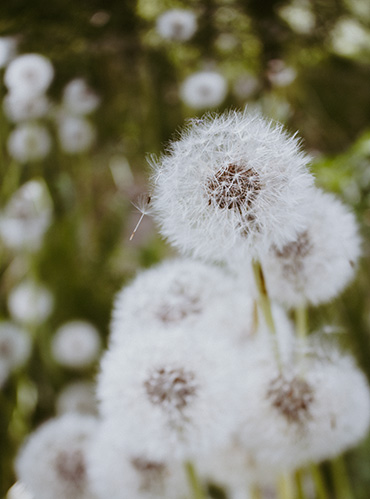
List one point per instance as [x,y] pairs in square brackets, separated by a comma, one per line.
[185,244]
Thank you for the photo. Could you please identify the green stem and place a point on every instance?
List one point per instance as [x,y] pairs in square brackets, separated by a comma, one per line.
[285,488]
[263,298]
[194,483]
[321,492]
[298,478]
[342,484]
[301,321]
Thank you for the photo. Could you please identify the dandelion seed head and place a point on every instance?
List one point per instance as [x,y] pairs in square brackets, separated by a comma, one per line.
[76,134]
[76,344]
[204,89]
[183,292]
[29,75]
[316,265]
[52,462]
[79,98]
[114,467]
[230,187]
[30,303]
[29,142]
[177,24]
[19,108]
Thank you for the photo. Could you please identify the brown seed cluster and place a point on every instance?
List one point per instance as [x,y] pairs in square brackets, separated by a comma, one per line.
[234,188]
[293,252]
[152,473]
[184,305]
[171,388]
[71,468]
[292,397]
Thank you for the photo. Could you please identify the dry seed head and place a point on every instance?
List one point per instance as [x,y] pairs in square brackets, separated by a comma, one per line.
[71,468]
[172,388]
[292,397]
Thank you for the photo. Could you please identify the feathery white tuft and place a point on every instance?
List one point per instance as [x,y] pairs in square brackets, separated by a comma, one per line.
[79,98]
[118,472]
[177,24]
[76,134]
[29,142]
[204,89]
[172,395]
[313,408]
[30,303]
[53,461]
[320,261]
[231,186]
[76,344]
[183,292]
[29,75]
[26,217]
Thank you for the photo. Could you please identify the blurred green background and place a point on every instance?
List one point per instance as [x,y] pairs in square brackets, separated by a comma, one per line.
[302,62]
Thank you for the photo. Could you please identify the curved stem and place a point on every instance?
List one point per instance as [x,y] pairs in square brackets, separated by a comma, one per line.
[321,492]
[194,482]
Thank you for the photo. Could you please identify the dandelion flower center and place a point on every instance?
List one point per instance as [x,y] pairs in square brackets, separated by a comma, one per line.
[234,187]
[152,472]
[186,305]
[172,388]
[291,397]
[71,467]
[296,249]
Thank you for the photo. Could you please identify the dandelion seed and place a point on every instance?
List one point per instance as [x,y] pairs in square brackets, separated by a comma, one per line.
[143,205]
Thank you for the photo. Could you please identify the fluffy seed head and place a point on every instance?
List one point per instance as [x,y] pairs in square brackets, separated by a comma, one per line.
[320,261]
[177,24]
[29,142]
[204,89]
[19,108]
[183,292]
[76,134]
[29,74]
[79,98]
[230,187]
[52,463]
[30,303]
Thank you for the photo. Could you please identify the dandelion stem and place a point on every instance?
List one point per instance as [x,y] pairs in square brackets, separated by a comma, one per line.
[321,492]
[263,297]
[301,321]
[285,487]
[194,483]
[298,478]
[342,484]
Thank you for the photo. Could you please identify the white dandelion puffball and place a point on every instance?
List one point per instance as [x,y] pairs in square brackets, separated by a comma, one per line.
[231,186]
[19,491]
[204,89]
[117,472]
[279,74]
[309,410]
[26,217]
[172,395]
[8,48]
[79,98]
[53,461]
[76,134]
[21,108]
[177,24]
[183,292]
[77,397]
[15,348]
[29,142]
[29,75]
[30,303]
[76,344]
[321,260]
